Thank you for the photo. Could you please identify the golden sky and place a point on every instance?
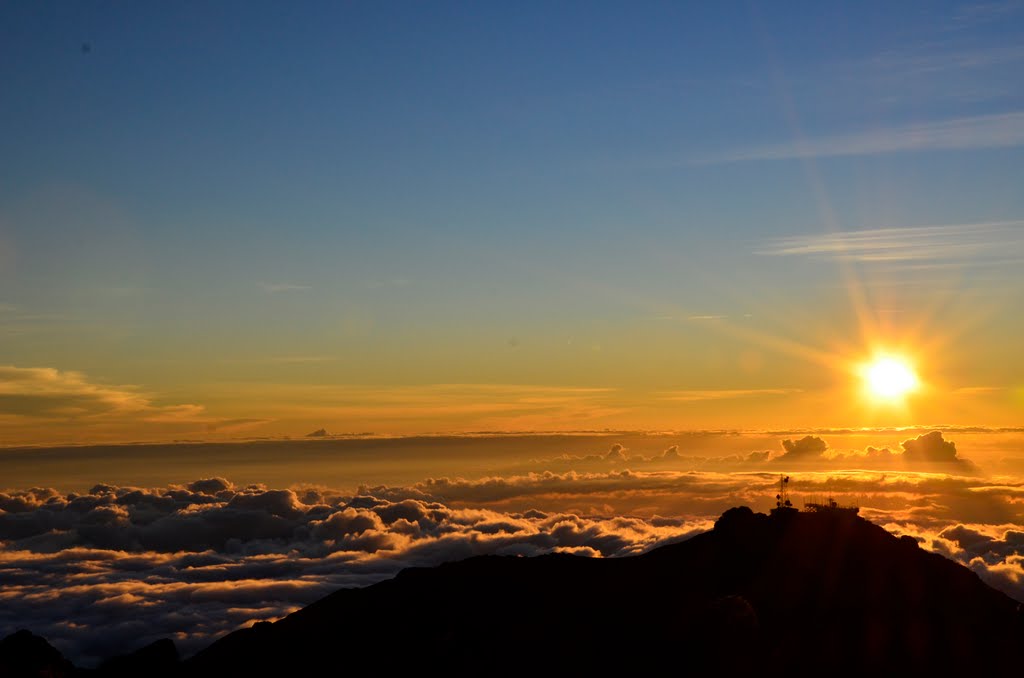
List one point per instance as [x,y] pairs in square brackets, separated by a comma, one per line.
[640,232]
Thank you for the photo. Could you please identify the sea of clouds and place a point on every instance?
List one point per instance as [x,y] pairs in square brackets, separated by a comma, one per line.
[109,570]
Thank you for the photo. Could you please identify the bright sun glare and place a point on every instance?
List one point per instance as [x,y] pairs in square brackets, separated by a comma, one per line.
[890,377]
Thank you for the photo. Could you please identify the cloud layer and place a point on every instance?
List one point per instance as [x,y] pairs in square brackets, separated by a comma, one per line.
[102,571]
[105,570]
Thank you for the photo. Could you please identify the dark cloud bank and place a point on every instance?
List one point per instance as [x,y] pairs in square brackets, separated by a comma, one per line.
[928,451]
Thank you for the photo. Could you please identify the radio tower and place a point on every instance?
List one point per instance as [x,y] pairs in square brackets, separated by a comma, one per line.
[782,502]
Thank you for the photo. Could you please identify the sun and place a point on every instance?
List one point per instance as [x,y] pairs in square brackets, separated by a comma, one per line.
[889,378]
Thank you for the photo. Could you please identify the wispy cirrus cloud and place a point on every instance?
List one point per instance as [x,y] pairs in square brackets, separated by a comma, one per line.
[725,394]
[274,287]
[980,390]
[479,406]
[926,61]
[37,395]
[972,14]
[1000,130]
[947,242]
[47,392]
[298,359]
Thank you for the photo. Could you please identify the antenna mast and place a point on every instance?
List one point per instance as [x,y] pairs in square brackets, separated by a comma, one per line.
[782,498]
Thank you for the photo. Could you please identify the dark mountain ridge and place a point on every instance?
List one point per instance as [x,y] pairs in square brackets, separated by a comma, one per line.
[791,593]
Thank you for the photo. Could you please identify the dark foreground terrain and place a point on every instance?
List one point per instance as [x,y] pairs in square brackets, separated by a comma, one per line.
[801,593]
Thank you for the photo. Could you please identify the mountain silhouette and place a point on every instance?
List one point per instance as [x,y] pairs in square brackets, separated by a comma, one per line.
[25,654]
[791,593]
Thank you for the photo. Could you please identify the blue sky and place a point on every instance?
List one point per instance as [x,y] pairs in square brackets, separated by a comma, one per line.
[399,193]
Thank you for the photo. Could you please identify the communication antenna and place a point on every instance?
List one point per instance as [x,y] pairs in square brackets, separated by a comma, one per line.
[782,498]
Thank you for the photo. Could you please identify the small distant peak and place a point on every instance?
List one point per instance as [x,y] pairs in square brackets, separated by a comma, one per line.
[319,433]
[735,514]
[740,519]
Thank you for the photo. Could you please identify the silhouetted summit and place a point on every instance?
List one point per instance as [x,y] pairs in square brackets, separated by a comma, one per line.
[792,593]
[25,654]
